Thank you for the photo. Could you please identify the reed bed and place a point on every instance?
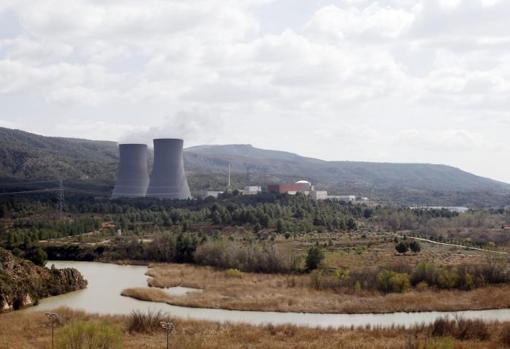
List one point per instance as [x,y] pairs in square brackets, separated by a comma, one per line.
[21,330]
[292,293]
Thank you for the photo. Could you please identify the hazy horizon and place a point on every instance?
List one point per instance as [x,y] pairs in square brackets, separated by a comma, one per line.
[402,81]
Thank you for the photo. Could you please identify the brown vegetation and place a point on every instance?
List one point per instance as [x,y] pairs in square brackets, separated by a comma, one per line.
[270,292]
[461,329]
[20,330]
[505,336]
[149,322]
[259,258]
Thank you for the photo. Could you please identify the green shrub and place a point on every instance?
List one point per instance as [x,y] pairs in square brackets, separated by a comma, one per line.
[402,247]
[424,272]
[37,255]
[314,258]
[390,281]
[415,246]
[422,286]
[88,335]
[357,287]
[467,282]
[322,279]
[447,278]
[234,273]
[464,277]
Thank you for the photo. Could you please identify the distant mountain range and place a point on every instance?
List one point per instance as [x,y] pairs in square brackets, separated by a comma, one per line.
[28,157]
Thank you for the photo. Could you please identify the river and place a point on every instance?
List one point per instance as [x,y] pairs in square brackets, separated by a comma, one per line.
[106,281]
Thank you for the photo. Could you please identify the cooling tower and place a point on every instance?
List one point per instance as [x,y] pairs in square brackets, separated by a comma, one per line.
[168,180]
[133,174]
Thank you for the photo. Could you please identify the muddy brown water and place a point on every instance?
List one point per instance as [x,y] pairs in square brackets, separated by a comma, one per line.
[106,282]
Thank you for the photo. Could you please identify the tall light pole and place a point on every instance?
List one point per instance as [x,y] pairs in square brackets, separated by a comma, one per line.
[169,327]
[53,317]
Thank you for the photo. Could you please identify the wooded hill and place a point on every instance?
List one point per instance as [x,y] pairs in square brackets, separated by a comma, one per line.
[29,157]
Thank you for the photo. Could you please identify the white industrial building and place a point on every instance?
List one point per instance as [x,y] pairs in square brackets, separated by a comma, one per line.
[346,198]
[319,195]
[251,190]
[213,193]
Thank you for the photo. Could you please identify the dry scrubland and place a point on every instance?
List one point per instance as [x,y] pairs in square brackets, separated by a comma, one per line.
[31,331]
[358,251]
[383,253]
[353,252]
[250,291]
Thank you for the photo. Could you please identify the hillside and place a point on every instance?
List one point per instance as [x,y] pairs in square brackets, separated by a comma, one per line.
[404,183]
[247,159]
[25,156]
[28,156]
[22,283]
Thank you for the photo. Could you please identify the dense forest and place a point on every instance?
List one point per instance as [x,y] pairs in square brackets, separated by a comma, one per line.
[266,211]
[28,220]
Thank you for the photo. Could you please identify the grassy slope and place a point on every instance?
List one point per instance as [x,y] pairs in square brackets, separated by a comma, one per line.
[30,331]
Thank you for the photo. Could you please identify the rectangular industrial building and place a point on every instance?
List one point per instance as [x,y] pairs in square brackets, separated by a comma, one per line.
[289,188]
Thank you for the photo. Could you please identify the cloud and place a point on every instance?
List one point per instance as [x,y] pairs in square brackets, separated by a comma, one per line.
[466,18]
[445,140]
[371,22]
[194,127]
[348,82]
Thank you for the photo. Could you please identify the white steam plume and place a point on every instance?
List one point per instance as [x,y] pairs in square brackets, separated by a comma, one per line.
[194,127]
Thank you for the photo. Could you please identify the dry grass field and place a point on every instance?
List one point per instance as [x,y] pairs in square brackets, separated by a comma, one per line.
[31,331]
[270,292]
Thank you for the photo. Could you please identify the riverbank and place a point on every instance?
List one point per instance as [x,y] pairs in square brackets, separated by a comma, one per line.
[23,284]
[31,331]
[284,293]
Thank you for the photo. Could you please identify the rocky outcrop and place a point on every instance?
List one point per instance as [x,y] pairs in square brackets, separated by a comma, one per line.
[23,283]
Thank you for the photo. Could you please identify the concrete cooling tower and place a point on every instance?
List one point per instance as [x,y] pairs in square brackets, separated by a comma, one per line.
[133,174]
[168,180]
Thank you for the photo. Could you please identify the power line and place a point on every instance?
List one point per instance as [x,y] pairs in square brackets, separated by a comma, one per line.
[46,190]
[56,189]
[23,183]
[82,191]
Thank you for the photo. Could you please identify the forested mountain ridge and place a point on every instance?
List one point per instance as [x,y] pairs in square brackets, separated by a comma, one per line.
[248,159]
[26,156]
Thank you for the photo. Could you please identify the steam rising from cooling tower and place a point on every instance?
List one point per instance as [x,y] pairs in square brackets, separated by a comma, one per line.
[133,176]
[168,180]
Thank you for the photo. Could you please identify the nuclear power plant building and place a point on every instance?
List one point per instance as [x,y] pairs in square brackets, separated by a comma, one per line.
[168,179]
[133,175]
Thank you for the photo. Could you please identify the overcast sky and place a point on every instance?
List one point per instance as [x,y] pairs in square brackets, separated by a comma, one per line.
[389,80]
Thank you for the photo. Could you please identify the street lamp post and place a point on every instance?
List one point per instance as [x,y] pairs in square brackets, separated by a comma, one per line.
[53,317]
[169,327]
